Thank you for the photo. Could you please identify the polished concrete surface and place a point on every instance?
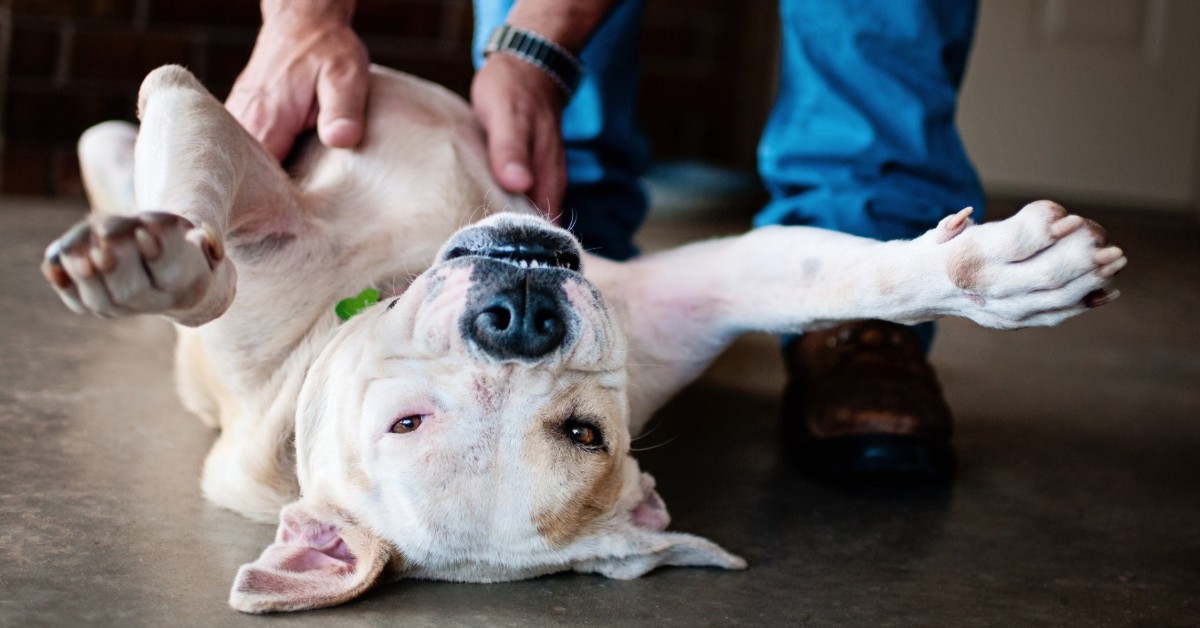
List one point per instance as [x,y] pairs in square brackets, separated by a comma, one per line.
[1077,502]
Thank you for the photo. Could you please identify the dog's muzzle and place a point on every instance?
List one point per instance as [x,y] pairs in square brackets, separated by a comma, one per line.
[516,308]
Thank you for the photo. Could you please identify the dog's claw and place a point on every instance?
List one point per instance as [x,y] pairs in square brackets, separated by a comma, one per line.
[214,245]
[1099,233]
[1096,298]
[77,236]
[117,226]
[1110,270]
[148,245]
[1063,227]
[53,271]
[103,259]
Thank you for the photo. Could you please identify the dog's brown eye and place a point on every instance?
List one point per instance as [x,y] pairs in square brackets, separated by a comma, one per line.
[584,435]
[407,424]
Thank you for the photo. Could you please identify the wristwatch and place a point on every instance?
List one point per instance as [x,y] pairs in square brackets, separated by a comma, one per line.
[563,67]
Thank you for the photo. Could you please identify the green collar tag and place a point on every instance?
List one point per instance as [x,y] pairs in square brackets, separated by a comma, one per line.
[353,305]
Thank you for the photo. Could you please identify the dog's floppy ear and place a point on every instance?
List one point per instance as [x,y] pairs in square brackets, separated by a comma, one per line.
[637,543]
[316,560]
[636,552]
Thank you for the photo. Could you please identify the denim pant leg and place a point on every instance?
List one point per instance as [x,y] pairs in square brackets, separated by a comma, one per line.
[862,137]
[606,152]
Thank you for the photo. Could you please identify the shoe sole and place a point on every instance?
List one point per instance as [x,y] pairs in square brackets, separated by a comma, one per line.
[877,458]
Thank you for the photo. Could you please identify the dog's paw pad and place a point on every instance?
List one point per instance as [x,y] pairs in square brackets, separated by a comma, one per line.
[1039,267]
[151,262]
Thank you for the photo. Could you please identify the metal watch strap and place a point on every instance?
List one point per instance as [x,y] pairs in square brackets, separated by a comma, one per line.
[562,66]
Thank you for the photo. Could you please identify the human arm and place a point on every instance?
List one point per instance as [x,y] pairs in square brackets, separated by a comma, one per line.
[520,106]
[308,69]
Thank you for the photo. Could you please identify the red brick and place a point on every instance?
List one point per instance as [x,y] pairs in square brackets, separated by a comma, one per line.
[65,177]
[34,52]
[206,13]
[27,168]
[60,116]
[459,23]
[100,9]
[222,64]
[416,19]
[119,55]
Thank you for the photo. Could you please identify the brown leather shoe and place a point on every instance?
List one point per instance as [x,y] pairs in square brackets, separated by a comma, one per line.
[862,402]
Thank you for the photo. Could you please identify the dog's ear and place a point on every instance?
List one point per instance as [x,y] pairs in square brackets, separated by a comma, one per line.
[636,543]
[315,561]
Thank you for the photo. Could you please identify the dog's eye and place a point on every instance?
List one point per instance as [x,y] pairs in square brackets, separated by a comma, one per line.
[407,424]
[583,434]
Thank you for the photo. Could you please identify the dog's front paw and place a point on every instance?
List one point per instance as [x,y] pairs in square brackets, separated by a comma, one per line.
[1039,267]
[150,263]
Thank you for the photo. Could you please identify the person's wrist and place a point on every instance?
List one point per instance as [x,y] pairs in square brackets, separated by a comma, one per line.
[568,23]
[308,10]
[538,53]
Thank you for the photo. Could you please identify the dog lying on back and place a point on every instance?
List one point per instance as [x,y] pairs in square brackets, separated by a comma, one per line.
[474,424]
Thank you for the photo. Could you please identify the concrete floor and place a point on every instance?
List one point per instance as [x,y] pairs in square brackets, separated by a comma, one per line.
[1078,500]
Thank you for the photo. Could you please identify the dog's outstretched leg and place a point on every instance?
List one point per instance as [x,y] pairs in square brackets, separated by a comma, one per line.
[196,176]
[1037,268]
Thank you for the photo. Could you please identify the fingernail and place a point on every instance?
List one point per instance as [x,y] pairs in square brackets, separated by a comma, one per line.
[517,175]
[341,133]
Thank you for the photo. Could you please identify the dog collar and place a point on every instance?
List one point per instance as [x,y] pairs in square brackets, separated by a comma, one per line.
[350,306]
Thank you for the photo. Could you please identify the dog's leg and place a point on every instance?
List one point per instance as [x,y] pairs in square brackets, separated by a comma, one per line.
[197,176]
[684,306]
[106,162]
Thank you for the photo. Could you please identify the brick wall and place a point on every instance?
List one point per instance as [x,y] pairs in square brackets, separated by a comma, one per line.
[68,64]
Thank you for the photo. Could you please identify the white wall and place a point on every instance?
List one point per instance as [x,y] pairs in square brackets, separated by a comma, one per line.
[1087,100]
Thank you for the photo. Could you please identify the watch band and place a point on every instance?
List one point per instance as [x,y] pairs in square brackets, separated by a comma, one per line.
[563,67]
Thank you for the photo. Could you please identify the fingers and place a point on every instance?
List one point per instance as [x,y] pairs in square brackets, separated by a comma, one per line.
[342,97]
[520,109]
[303,73]
[550,166]
[273,112]
[275,124]
[509,139]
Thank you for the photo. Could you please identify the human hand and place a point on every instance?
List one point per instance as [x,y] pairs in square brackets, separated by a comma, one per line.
[308,69]
[520,108]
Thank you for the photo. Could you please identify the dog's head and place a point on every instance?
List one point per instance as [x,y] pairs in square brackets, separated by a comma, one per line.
[473,429]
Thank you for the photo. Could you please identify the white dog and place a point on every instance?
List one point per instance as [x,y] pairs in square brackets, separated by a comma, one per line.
[475,424]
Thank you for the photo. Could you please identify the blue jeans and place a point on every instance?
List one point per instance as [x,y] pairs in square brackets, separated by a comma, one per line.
[861,139]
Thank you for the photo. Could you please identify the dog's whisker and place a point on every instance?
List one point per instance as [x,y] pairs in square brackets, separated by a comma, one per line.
[651,447]
[648,432]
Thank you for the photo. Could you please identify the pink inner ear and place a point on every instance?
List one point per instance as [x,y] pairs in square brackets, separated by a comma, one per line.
[651,512]
[311,564]
[337,561]
[305,544]
[319,537]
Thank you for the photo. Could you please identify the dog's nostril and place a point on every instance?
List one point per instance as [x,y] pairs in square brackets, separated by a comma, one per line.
[547,322]
[495,318]
[518,323]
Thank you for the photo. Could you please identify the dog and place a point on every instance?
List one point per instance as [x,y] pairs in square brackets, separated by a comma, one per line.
[473,422]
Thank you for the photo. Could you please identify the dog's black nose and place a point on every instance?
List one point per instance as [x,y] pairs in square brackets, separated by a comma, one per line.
[520,322]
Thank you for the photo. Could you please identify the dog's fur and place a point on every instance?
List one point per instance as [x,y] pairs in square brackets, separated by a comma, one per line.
[427,444]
